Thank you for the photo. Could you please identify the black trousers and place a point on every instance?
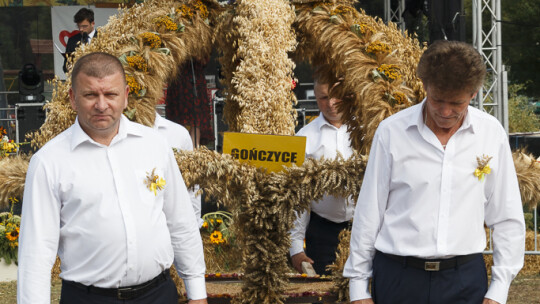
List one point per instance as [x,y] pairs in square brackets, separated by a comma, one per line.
[164,293]
[394,282]
[322,239]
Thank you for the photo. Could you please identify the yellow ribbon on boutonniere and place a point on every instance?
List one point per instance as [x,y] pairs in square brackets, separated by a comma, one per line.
[483,167]
[154,182]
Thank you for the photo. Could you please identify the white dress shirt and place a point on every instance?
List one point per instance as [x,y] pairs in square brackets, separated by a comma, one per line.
[91,35]
[178,138]
[418,199]
[323,140]
[89,204]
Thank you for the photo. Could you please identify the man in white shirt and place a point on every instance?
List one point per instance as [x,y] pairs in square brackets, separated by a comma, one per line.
[320,226]
[178,138]
[107,196]
[437,172]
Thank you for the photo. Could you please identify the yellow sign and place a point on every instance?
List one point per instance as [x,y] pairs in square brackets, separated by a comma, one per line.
[268,151]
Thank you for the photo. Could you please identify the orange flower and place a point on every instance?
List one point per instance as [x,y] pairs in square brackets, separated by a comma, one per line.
[216,237]
[13,235]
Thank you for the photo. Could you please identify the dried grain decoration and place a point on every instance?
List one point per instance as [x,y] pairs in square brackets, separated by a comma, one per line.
[12,176]
[264,207]
[353,45]
[264,203]
[256,39]
[124,35]
[528,173]
[341,284]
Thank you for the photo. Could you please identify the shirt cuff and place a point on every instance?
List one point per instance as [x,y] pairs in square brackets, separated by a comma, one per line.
[498,291]
[195,288]
[358,289]
[296,247]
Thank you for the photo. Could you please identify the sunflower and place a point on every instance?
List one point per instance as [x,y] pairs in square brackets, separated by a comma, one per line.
[13,235]
[216,237]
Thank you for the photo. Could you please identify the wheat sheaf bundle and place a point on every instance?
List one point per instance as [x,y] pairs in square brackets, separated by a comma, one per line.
[528,173]
[151,51]
[374,62]
[256,38]
[375,66]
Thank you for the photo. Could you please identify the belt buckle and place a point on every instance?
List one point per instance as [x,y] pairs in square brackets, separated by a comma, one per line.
[432,266]
[121,291]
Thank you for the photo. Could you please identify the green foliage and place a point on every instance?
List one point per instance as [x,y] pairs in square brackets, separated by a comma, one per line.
[9,234]
[520,42]
[529,221]
[521,116]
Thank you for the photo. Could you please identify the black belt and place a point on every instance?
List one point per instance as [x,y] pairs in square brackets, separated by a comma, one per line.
[124,293]
[433,264]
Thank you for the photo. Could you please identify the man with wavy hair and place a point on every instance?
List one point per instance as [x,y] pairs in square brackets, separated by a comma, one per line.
[437,172]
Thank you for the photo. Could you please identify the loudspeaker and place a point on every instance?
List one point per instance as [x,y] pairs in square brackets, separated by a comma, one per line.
[30,117]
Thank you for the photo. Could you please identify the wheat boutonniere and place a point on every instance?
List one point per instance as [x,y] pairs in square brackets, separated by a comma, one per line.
[154,182]
[483,167]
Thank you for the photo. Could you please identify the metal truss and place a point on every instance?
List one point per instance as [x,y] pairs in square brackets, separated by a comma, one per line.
[395,13]
[493,97]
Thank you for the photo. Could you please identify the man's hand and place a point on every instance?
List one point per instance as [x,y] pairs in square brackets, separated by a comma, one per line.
[297,260]
[201,301]
[363,301]
[489,301]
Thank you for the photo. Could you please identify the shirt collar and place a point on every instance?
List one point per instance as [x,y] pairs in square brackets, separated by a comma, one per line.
[321,122]
[159,122]
[126,128]
[468,121]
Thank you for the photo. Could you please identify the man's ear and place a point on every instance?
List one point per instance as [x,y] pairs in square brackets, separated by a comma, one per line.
[474,95]
[72,99]
[127,96]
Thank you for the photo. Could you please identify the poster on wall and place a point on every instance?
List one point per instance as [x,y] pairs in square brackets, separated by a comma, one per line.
[63,27]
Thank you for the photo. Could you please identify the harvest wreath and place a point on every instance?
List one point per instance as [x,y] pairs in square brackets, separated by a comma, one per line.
[375,62]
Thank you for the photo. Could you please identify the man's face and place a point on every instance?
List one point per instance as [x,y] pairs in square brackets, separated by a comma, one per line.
[86,26]
[99,103]
[327,105]
[446,109]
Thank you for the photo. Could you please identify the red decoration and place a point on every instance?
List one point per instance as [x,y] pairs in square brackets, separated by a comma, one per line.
[64,34]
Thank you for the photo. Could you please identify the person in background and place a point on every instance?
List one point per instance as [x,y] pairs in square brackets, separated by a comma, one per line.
[326,136]
[178,138]
[188,103]
[437,172]
[84,19]
[107,197]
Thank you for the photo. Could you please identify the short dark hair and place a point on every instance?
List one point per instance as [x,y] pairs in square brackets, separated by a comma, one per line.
[97,65]
[84,14]
[452,66]
[324,74]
